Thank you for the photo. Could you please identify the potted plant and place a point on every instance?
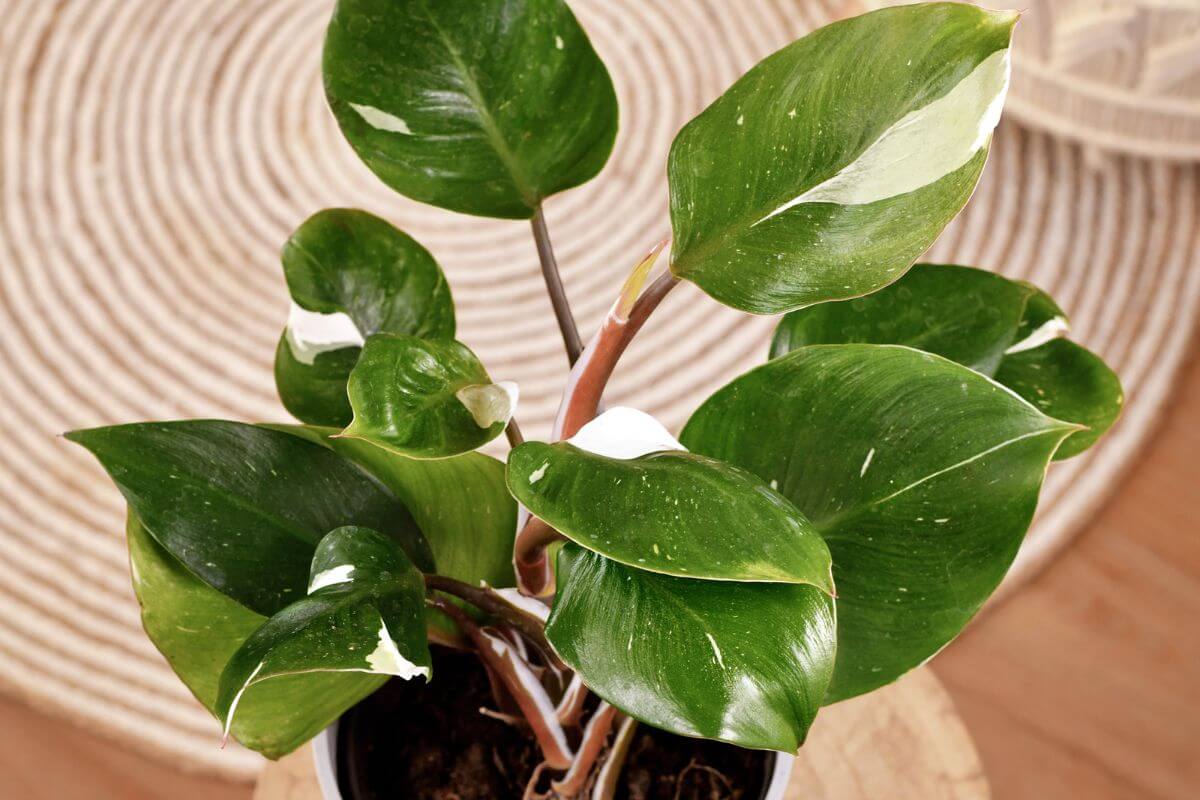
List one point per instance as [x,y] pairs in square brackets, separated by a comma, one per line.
[615,612]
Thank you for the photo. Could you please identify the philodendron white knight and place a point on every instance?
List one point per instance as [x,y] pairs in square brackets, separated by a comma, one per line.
[824,523]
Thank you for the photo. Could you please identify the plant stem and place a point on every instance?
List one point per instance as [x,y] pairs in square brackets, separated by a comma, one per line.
[610,770]
[487,599]
[594,736]
[581,400]
[534,575]
[570,708]
[513,432]
[590,376]
[517,676]
[554,287]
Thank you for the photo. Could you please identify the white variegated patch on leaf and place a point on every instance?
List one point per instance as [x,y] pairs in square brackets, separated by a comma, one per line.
[310,333]
[624,433]
[490,403]
[830,166]
[924,146]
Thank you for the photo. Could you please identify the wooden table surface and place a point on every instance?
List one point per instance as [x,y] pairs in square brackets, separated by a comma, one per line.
[1086,683]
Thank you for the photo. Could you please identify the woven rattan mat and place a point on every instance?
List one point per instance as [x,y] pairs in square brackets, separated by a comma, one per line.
[157,152]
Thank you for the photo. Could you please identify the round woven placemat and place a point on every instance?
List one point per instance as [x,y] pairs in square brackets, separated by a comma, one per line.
[157,152]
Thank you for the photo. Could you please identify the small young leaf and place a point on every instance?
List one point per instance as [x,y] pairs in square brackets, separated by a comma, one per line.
[828,168]
[670,512]
[364,613]
[479,106]
[243,507]
[425,399]
[198,630]
[351,275]
[744,663]
[921,475]
[1001,328]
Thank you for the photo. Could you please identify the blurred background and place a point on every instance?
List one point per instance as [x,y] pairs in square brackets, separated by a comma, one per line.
[156,153]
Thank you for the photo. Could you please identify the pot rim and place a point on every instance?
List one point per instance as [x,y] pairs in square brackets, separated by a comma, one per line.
[325,759]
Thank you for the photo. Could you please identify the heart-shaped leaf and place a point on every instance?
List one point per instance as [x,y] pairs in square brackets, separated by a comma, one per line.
[198,630]
[351,275]
[425,399]
[364,614]
[921,475]
[1004,329]
[243,507]
[744,663]
[828,168]
[479,106]
[670,512]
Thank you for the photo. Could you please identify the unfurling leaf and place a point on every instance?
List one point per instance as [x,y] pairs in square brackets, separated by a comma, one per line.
[828,168]
[364,615]
[744,663]
[1008,330]
[479,106]
[921,475]
[425,399]
[351,275]
[243,507]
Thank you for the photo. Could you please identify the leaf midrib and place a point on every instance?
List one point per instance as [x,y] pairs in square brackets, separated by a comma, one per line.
[486,121]
[823,524]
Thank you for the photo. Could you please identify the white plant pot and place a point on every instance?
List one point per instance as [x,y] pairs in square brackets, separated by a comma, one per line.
[325,755]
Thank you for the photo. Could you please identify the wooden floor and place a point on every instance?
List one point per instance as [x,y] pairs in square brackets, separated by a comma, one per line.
[1085,684]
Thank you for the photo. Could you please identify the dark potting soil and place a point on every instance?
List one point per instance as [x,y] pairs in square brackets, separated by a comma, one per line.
[411,741]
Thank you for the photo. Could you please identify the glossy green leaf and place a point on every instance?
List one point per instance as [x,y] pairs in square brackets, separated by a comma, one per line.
[364,615]
[479,106]
[966,315]
[351,275]
[198,630]
[744,663]
[670,512]
[460,503]
[1004,329]
[921,475]
[315,392]
[830,166]
[1068,382]
[243,507]
[425,399]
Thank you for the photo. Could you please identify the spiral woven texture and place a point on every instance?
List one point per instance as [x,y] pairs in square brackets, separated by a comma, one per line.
[156,153]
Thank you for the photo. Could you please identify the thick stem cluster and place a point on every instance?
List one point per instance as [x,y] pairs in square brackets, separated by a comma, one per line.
[543,694]
[581,401]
